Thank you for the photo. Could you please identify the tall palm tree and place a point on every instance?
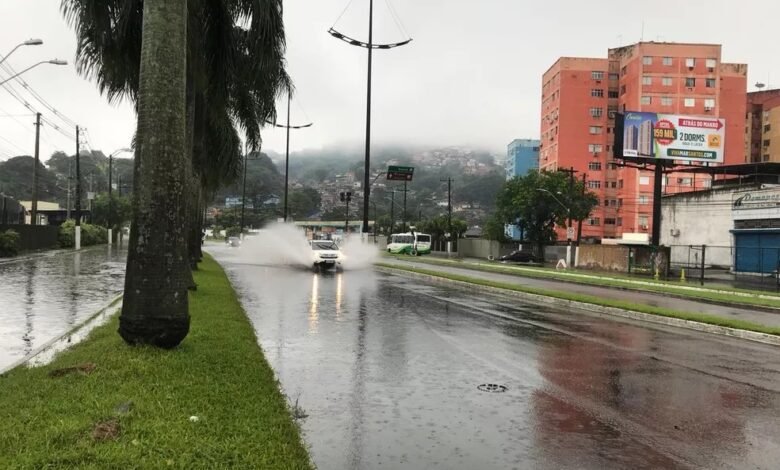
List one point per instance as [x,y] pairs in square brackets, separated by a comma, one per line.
[233,75]
[155,309]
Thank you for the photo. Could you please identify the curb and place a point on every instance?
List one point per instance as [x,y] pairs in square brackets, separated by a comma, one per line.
[86,324]
[598,309]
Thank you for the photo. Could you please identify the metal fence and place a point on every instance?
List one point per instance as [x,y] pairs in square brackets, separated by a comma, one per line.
[738,266]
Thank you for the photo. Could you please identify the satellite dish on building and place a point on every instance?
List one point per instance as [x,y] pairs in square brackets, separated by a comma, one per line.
[760,85]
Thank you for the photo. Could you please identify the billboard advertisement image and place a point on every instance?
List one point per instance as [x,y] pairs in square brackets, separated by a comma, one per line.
[673,137]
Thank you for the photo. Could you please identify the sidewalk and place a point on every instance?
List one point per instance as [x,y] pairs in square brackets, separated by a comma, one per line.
[662,300]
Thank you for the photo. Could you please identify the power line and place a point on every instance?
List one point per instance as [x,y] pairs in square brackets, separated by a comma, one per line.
[38,97]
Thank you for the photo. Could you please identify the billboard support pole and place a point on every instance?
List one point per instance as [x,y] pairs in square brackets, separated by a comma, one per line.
[657,195]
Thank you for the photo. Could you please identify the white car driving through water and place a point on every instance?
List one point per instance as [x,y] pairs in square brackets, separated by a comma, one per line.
[326,254]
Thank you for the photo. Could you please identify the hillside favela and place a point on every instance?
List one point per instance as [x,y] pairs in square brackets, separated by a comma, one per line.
[389,234]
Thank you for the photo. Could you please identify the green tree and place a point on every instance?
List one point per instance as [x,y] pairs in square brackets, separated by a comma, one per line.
[115,212]
[539,201]
[304,203]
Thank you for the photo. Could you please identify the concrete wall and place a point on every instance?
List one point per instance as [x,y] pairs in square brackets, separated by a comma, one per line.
[700,218]
[603,257]
[35,237]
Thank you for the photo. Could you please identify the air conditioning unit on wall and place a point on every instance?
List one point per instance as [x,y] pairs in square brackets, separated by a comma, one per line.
[675,232]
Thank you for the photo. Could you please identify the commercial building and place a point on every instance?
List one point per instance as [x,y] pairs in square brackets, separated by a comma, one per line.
[581,97]
[522,155]
[762,131]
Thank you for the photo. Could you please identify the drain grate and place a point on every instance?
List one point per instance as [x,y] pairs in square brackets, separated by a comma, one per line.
[492,388]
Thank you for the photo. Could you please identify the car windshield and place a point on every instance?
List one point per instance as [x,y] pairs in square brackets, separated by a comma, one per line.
[324,245]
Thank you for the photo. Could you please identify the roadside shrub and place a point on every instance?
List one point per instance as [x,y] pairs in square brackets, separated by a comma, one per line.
[90,234]
[9,243]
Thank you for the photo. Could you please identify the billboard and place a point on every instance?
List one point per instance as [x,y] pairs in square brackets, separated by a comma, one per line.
[673,137]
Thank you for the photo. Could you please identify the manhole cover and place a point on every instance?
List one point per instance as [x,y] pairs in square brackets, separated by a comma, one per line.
[492,388]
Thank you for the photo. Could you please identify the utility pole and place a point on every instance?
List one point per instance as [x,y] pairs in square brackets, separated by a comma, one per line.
[70,177]
[657,195]
[243,191]
[579,222]
[404,226]
[34,210]
[78,190]
[392,212]
[449,213]
[286,159]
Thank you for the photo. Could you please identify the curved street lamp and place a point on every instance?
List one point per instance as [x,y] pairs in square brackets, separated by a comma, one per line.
[568,216]
[29,42]
[287,152]
[370,46]
[53,62]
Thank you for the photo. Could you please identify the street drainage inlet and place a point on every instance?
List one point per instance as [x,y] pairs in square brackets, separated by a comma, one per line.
[492,388]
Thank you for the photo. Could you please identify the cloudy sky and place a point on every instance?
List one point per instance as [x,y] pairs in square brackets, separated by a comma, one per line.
[471,76]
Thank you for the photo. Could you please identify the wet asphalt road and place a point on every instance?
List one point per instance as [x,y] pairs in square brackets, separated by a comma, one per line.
[388,371]
[45,296]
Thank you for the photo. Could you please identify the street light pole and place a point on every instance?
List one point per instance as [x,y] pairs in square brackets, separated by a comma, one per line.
[53,62]
[29,42]
[78,190]
[34,210]
[568,228]
[110,221]
[370,46]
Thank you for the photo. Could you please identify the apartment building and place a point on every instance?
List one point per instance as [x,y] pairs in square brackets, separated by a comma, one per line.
[522,156]
[581,96]
[762,130]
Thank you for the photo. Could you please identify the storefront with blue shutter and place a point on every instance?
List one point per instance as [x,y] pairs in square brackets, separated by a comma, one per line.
[756,230]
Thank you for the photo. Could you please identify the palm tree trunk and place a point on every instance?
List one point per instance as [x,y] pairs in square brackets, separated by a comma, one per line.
[155,309]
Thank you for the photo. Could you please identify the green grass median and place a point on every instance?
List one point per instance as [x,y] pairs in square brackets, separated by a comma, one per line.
[213,402]
[593,300]
[725,295]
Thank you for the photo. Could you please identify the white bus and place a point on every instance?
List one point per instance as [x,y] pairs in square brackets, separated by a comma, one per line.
[410,243]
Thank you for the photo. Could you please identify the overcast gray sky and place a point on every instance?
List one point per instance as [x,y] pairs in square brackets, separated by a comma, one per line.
[471,76]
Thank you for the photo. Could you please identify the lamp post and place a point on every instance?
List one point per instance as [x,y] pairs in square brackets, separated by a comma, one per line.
[29,42]
[568,217]
[243,191]
[110,221]
[287,151]
[53,62]
[370,46]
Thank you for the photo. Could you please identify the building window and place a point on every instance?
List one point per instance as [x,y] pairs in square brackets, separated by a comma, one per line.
[609,221]
[684,181]
[597,92]
[595,148]
[647,60]
[623,70]
[594,166]
[690,82]
[711,63]
[609,130]
[594,221]
[709,104]
[766,157]
[620,203]
[647,100]
[667,61]
[767,128]
[690,102]
[613,94]
[706,183]
[620,184]
[647,80]
[667,101]
[644,200]
[596,112]
[595,130]
[619,222]
[766,142]
[710,82]
[666,81]
[597,75]
[622,89]
[644,180]
[614,76]
[612,184]
[594,184]
[643,221]
[690,62]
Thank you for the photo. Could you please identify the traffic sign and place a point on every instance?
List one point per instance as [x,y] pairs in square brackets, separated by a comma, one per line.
[400,173]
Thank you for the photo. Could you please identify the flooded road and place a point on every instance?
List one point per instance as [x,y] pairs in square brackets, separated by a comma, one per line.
[43,297]
[389,370]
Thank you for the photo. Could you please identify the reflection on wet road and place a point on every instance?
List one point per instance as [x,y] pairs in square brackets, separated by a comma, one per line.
[388,368]
[46,296]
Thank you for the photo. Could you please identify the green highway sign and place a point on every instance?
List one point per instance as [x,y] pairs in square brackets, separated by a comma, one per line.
[400,173]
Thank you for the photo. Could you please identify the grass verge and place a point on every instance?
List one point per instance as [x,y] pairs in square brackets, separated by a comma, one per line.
[132,407]
[742,297]
[664,312]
